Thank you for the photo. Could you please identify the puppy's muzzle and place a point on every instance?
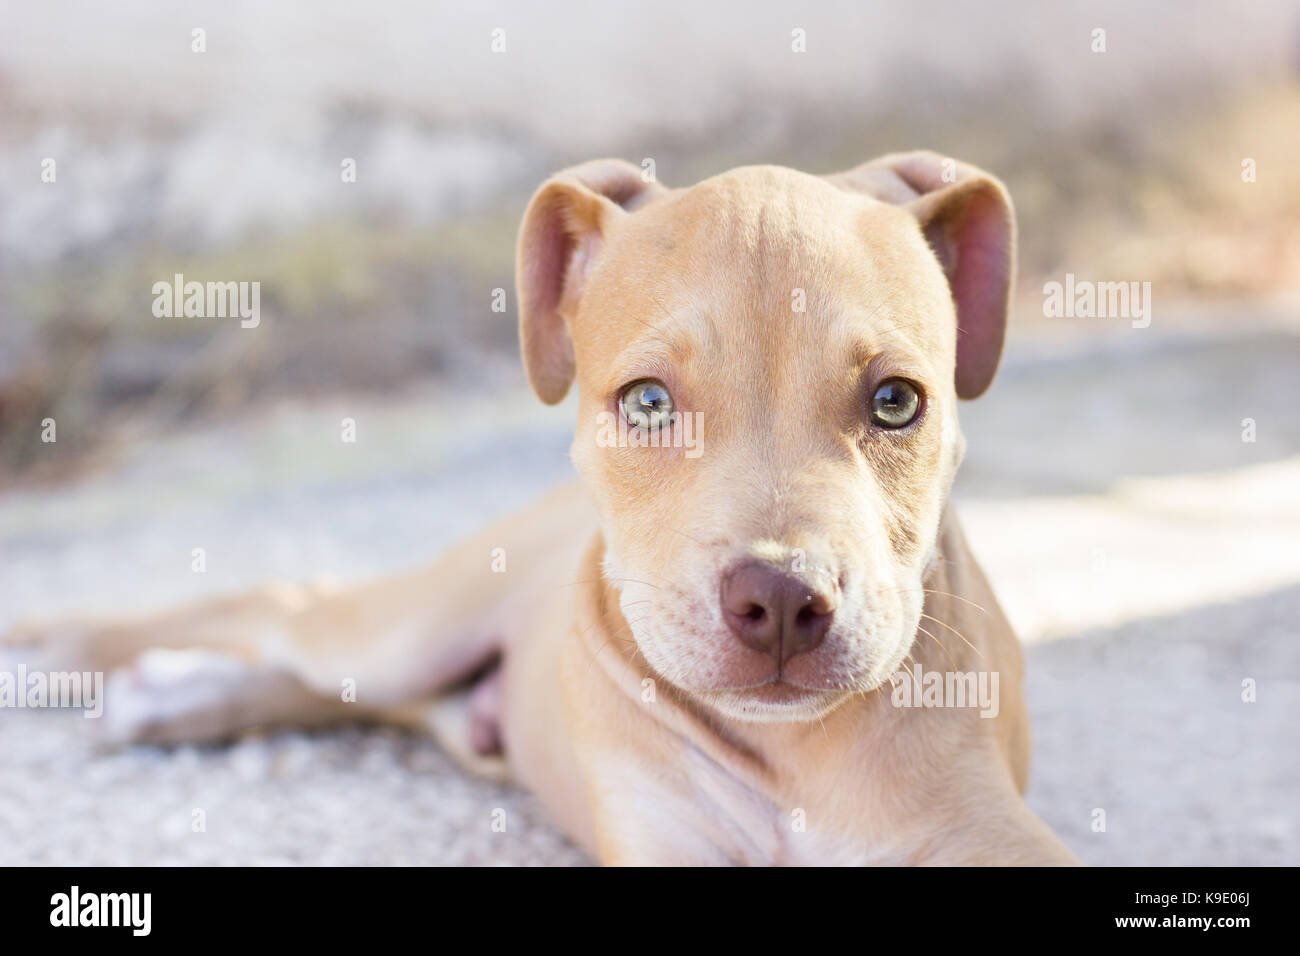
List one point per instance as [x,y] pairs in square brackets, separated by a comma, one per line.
[776,612]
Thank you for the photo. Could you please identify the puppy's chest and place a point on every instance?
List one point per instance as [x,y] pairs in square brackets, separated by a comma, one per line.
[748,825]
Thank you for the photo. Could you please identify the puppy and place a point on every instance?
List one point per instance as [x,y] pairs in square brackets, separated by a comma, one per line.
[713,648]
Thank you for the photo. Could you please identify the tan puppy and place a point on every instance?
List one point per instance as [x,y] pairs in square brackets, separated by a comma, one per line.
[702,653]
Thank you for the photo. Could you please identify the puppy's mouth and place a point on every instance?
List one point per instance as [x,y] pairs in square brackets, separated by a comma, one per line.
[775,701]
[776,691]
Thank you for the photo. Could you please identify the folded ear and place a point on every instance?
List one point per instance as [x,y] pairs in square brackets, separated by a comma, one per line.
[968,219]
[559,243]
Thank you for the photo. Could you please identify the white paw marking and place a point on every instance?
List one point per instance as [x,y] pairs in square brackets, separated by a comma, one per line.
[165,690]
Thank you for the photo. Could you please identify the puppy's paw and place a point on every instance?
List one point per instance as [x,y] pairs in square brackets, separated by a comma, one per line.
[21,634]
[176,696]
[64,644]
[31,636]
[39,645]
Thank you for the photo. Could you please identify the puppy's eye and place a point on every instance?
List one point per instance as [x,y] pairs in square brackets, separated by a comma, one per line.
[647,404]
[895,404]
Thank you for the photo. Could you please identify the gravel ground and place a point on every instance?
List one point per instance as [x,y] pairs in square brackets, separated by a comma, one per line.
[1148,558]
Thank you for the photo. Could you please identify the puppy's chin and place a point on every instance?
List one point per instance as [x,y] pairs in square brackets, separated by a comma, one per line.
[772,703]
[747,687]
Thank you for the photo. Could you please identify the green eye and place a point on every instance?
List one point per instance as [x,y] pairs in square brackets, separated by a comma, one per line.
[895,404]
[647,404]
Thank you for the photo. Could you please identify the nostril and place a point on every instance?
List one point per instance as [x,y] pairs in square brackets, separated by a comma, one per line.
[808,621]
[777,612]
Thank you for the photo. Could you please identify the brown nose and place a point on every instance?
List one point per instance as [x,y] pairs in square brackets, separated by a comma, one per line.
[777,612]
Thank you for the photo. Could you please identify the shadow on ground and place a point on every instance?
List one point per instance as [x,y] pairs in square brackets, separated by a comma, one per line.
[1147,722]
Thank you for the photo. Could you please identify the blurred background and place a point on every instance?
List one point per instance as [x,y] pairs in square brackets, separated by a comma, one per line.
[1141,534]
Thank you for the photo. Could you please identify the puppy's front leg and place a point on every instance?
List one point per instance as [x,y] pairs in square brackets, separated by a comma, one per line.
[278,656]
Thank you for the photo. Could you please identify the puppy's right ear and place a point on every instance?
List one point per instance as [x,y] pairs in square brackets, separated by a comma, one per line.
[559,243]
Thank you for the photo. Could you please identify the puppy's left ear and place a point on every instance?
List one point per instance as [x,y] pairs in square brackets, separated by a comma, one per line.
[968,219]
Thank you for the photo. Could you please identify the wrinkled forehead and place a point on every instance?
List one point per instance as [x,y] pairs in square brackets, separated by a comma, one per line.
[765,262]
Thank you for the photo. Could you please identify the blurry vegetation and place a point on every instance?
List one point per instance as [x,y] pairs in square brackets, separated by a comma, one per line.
[344,307]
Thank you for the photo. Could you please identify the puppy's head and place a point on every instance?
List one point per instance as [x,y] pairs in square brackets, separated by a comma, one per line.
[768,367]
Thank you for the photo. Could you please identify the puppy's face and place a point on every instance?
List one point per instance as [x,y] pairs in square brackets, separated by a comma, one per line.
[768,427]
